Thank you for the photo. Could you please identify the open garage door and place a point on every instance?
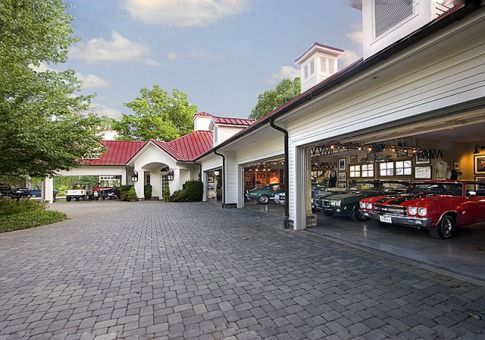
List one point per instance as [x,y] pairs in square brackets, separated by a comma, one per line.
[410,171]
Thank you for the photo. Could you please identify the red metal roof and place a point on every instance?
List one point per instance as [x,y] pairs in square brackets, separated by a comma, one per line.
[192,145]
[117,152]
[232,121]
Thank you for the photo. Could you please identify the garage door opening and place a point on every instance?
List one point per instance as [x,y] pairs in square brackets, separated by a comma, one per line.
[214,185]
[344,172]
[264,188]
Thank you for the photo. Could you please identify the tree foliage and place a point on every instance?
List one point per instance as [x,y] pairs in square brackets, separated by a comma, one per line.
[157,115]
[41,129]
[272,99]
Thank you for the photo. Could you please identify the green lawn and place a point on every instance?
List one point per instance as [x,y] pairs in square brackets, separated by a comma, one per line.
[24,214]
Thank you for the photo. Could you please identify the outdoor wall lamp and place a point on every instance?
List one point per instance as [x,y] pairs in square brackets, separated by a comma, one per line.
[134,177]
[478,148]
[170,175]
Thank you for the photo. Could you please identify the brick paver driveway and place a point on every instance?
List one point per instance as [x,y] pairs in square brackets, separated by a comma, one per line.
[186,271]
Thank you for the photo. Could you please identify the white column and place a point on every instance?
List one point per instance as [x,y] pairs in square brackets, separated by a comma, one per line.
[297,181]
[240,187]
[156,182]
[140,184]
[48,190]
[204,185]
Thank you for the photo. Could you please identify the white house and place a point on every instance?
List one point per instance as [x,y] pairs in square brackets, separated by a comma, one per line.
[420,88]
[158,163]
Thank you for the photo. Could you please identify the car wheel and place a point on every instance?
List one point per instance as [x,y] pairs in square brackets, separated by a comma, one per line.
[68,198]
[263,199]
[357,216]
[445,229]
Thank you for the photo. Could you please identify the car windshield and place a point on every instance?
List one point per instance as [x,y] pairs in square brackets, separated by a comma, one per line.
[363,186]
[453,189]
[394,187]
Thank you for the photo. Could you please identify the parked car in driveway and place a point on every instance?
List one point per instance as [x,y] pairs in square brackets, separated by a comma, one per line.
[104,193]
[439,206]
[33,193]
[347,203]
[265,194]
[79,192]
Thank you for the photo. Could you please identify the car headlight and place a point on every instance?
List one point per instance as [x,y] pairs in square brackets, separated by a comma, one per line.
[368,206]
[422,212]
[412,211]
[361,205]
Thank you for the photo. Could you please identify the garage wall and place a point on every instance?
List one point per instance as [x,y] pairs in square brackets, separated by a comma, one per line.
[268,147]
[211,161]
[451,71]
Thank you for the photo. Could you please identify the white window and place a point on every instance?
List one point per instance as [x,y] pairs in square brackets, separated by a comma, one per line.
[331,66]
[404,168]
[323,61]
[386,169]
[354,171]
[388,13]
[306,71]
[367,170]
[312,67]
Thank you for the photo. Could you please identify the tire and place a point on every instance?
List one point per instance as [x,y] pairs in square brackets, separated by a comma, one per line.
[357,216]
[263,199]
[68,198]
[446,229]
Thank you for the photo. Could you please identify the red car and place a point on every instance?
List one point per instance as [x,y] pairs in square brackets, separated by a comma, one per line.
[439,206]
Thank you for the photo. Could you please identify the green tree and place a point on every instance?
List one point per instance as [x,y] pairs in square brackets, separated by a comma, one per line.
[272,99]
[40,128]
[157,115]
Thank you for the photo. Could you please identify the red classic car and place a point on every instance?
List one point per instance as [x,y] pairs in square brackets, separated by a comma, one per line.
[439,206]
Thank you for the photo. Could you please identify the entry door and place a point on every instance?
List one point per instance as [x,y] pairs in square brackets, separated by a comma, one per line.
[165,183]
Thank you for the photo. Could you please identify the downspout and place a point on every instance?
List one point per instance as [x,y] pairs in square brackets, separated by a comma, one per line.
[223,178]
[287,222]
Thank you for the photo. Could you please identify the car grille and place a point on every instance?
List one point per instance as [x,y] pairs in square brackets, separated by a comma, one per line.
[325,203]
[389,210]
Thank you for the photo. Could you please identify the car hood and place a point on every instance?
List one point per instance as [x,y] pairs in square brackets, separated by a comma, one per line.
[355,195]
[409,199]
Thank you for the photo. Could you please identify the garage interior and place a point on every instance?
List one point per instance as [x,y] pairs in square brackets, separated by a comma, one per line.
[261,174]
[432,149]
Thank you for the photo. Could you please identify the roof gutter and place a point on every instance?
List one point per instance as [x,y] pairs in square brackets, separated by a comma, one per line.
[287,222]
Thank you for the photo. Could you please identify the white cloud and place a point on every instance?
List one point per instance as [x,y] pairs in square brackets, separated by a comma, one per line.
[184,13]
[356,36]
[118,49]
[196,54]
[103,110]
[91,81]
[348,58]
[285,72]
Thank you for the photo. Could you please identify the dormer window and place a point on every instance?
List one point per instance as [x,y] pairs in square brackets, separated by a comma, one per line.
[312,67]
[388,13]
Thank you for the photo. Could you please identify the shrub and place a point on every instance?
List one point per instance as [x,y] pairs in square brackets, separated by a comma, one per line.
[123,191]
[131,194]
[23,214]
[147,191]
[194,190]
[166,193]
[179,196]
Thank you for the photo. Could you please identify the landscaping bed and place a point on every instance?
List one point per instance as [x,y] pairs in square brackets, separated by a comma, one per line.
[24,214]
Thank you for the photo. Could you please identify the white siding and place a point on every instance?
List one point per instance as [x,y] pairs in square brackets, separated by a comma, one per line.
[224,133]
[210,162]
[231,180]
[448,71]
[269,147]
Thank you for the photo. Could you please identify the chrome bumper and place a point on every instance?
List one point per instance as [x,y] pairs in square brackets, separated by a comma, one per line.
[408,221]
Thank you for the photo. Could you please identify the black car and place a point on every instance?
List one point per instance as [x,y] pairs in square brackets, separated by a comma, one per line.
[347,203]
[6,191]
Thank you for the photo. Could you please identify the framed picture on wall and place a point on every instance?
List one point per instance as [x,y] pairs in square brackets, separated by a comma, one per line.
[456,165]
[480,179]
[341,164]
[342,177]
[422,172]
[479,162]
[354,159]
[422,158]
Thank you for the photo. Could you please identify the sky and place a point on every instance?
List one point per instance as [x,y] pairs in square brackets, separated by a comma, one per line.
[222,53]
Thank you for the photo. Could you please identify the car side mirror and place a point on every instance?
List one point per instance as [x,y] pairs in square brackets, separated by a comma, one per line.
[471,193]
